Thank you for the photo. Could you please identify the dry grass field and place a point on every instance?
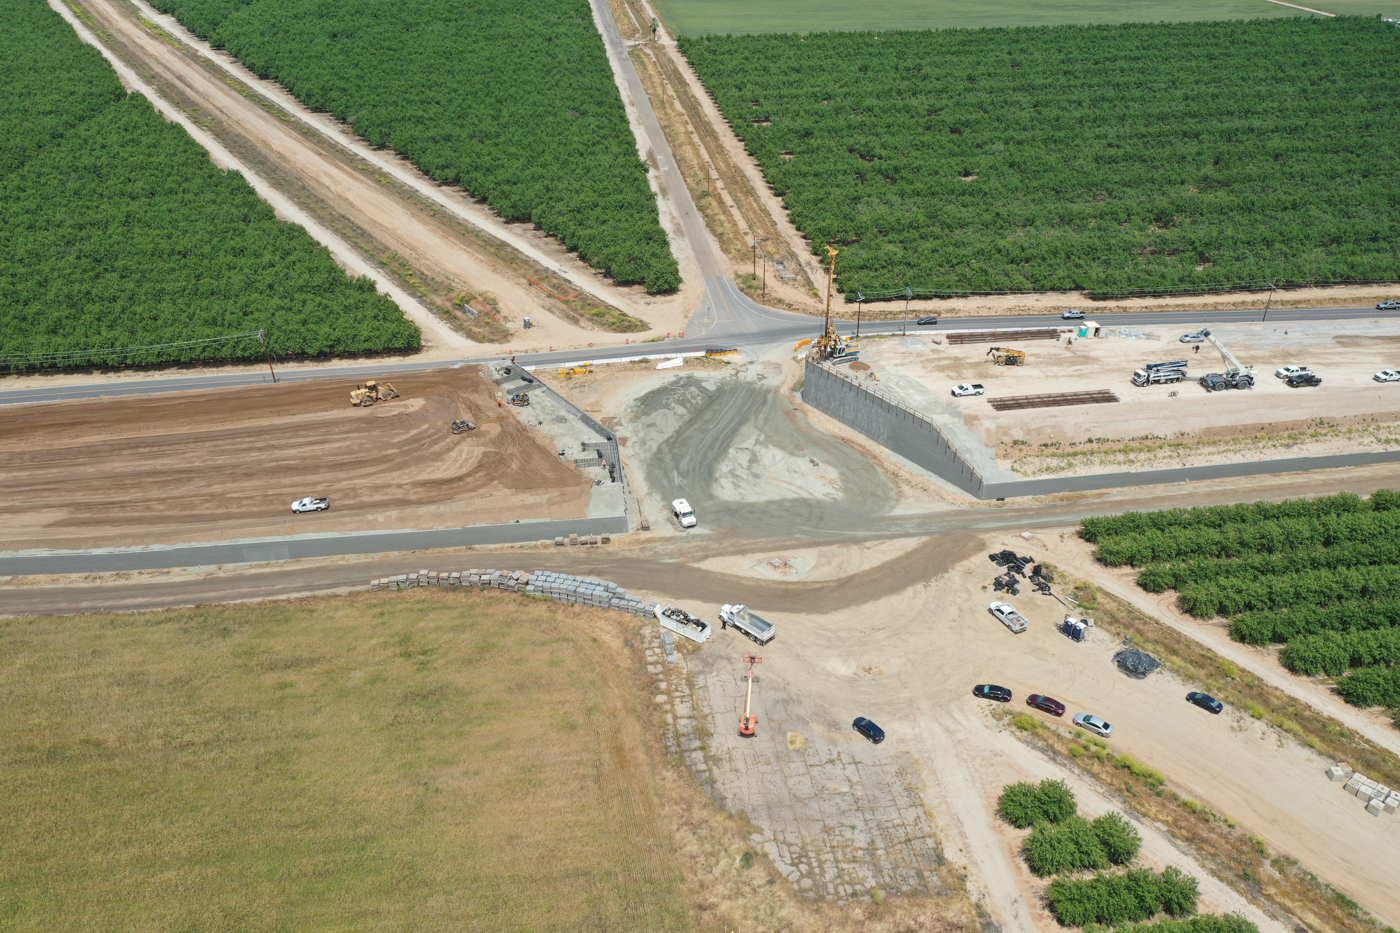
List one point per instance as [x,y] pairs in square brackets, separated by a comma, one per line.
[437,761]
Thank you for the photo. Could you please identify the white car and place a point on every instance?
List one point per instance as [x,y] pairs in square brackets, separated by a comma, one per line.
[1072,315]
[684,513]
[311,504]
[1093,724]
[968,388]
[1283,372]
[1387,375]
[1193,338]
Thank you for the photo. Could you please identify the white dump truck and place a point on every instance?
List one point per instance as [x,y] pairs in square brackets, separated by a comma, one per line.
[1008,616]
[739,616]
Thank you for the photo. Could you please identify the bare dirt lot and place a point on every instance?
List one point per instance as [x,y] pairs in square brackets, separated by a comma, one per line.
[1154,426]
[165,469]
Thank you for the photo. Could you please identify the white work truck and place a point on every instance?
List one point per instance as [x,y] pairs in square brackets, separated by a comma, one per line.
[761,631]
[1007,615]
[310,504]
[683,512]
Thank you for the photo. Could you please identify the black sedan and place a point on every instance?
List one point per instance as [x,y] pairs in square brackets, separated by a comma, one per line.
[927,320]
[992,692]
[868,729]
[1205,701]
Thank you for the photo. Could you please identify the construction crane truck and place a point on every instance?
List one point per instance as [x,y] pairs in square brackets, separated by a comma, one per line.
[1236,375]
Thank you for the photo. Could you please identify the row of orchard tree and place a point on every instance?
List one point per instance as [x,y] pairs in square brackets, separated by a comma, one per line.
[1067,157]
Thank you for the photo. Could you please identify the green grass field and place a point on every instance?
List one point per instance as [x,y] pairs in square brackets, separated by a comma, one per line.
[696,17]
[437,761]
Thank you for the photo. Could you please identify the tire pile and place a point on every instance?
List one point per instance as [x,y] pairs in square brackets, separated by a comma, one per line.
[1016,567]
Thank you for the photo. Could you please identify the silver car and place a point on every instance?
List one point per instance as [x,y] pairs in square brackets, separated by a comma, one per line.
[1193,338]
[1093,724]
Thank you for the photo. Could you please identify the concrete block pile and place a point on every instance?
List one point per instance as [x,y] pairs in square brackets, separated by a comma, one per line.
[561,586]
[1377,797]
[588,591]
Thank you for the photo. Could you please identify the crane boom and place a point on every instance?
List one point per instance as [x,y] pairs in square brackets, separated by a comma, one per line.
[1235,366]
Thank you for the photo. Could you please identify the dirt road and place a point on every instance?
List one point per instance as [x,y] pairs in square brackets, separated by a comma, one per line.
[421,239]
[228,463]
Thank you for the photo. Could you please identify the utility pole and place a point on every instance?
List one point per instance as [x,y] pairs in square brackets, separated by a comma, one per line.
[765,279]
[1269,302]
[262,339]
[860,297]
[757,240]
[908,294]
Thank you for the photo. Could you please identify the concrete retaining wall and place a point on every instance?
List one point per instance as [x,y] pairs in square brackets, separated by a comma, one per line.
[888,423]
[902,430]
[563,587]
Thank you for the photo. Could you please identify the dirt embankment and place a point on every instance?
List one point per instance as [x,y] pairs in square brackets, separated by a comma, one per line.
[228,463]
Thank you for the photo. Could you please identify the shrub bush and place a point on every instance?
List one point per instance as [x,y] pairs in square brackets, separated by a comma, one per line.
[1210,923]
[1119,839]
[1130,897]
[1056,849]
[1024,805]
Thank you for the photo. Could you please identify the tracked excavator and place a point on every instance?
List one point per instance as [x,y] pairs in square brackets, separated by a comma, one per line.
[370,392]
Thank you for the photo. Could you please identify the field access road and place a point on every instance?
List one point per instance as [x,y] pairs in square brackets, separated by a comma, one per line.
[728,318]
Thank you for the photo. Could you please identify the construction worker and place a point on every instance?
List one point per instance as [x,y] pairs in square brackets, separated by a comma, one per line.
[1198,348]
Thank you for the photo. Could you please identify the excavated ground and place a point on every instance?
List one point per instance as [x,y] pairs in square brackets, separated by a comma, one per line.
[166,469]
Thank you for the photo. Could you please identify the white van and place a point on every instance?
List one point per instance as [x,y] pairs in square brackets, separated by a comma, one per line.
[684,513]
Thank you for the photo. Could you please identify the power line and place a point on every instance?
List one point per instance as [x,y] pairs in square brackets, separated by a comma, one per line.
[71,357]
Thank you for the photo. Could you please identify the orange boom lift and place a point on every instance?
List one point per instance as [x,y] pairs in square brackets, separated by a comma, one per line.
[749,724]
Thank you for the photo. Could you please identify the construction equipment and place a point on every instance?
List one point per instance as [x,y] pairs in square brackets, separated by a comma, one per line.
[1005,356]
[749,724]
[830,345]
[520,400]
[683,623]
[758,629]
[1236,375]
[461,426]
[569,372]
[370,392]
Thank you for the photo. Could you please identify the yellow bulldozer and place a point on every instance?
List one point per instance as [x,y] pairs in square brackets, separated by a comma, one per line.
[365,395]
[1005,356]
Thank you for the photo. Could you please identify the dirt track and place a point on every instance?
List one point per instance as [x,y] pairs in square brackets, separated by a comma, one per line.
[228,463]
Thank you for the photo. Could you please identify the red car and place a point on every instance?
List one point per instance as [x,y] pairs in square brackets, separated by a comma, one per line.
[1046,704]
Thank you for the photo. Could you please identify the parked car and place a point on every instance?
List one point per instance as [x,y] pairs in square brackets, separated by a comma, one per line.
[684,513]
[1072,315]
[1193,338]
[927,320]
[1205,701]
[311,504]
[868,729]
[992,692]
[1046,704]
[1283,372]
[1304,379]
[1387,375]
[968,388]
[1388,306]
[1093,724]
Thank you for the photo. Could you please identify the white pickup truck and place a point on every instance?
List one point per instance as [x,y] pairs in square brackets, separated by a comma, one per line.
[310,504]
[739,616]
[1008,616]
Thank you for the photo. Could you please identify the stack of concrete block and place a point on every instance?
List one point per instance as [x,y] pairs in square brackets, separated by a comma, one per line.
[586,591]
[561,586]
[1340,772]
[1377,797]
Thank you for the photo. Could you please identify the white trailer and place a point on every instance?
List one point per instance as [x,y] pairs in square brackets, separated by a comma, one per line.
[760,630]
[683,623]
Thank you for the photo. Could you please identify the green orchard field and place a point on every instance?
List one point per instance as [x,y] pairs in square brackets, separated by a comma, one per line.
[514,100]
[117,231]
[1162,155]
[1319,576]
[721,17]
